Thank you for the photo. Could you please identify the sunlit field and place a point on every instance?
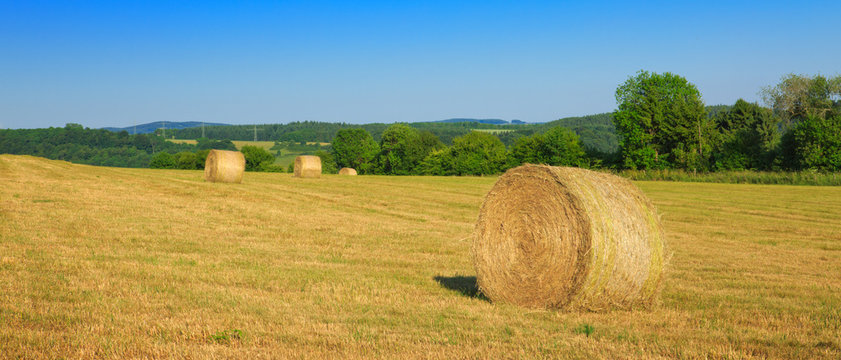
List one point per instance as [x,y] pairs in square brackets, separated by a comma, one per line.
[494,131]
[100,262]
[238,143]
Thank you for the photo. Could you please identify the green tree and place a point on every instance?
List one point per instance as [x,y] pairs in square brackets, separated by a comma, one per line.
[526,149]
[661,122]
[438,162]
[797,97]
[201,158]
[561,147]
[207,144]
[428,142]
[814,143]
[402,148]
[328,164]
[186,160]
[748,137]
[142,142]
[477,153]
[256,158]
[162,160]
[355,148]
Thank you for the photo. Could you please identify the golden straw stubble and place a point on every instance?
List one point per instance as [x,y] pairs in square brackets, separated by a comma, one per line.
[568,238]
[307,166]
[224,166]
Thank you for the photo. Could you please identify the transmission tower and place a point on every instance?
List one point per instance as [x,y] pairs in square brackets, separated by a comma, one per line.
[255,132]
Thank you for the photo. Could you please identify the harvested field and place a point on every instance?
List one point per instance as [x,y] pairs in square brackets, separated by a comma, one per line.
[102,262]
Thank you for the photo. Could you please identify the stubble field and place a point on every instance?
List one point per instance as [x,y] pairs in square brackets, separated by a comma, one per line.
[135,263]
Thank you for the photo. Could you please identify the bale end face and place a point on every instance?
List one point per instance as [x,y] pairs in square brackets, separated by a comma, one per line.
[224,166]
[552,237]
[307,166]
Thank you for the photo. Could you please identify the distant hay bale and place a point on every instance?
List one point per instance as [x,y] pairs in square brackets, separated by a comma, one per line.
[347,171]
[307,166]
[568,238]
[224,166]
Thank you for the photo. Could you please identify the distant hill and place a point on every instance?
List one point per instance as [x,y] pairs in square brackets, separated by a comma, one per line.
[151,127]
[596,131]
[482,121]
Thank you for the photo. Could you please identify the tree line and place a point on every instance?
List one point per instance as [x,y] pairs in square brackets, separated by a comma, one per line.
[595,131]
[661,123]
[81,145]
[404,150]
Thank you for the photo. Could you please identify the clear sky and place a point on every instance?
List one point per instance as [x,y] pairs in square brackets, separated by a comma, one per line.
[120,63]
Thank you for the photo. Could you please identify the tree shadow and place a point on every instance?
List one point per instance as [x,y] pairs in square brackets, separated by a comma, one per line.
[465,285]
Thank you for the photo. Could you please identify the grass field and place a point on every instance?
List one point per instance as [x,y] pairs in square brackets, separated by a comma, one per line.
[183,141]
[238,143]
[263,144]
[494,131]
[100,262]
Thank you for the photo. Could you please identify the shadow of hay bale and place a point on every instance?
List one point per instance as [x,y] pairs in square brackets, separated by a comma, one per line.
[465,285]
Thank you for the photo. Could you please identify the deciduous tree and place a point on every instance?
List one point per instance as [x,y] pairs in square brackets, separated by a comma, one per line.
[402,148]
[477,153]
[256,157]
[815,143]
[797,97]
[355,148]
[162,160]
[186,160]
[658,114]
[748,137]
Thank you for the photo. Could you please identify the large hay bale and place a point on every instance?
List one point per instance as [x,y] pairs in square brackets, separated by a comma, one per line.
[568,238]
[224,166]
[347,171]
[307,166]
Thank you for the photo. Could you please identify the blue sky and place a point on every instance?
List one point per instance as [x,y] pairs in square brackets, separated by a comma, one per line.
[120,63]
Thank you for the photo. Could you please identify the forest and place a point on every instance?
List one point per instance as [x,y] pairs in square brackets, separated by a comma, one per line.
[661,123]
[81,145]
[596,131]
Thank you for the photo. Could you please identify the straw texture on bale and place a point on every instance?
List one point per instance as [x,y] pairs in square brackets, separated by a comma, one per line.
[307,166]
[224,166]
[347,171]
[568,238]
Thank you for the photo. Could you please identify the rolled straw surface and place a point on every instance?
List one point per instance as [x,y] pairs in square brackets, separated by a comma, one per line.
[307,166]
[347,171]
[568,238]
[224,166]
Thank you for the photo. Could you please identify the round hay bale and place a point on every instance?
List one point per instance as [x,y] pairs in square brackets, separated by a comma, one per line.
[224,166]
[568,238]
[347,171]
[307,166]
